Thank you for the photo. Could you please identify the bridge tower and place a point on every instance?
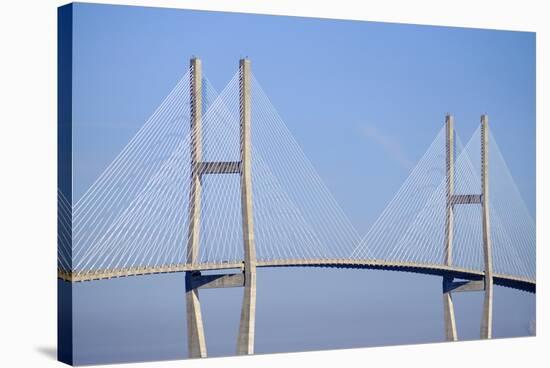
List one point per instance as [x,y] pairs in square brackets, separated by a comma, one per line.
[195,330]
[247,278]
[452,200]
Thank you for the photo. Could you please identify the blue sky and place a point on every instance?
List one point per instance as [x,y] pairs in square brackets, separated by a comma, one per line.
[375,92]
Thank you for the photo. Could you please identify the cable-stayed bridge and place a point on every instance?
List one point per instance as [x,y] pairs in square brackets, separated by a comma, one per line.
[216,182]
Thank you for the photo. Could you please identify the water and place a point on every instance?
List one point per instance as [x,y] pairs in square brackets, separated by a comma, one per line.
[143,318]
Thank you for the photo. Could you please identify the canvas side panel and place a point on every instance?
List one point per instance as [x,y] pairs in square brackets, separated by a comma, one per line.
[64,181]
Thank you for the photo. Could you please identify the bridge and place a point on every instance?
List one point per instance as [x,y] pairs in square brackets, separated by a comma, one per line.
[214,185]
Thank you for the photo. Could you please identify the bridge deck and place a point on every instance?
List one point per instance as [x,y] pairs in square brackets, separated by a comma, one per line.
[516,282]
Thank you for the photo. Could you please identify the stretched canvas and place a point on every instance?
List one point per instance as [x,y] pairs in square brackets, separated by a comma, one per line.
[234,184]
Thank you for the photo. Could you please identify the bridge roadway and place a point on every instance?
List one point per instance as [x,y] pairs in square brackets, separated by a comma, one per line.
[515,282]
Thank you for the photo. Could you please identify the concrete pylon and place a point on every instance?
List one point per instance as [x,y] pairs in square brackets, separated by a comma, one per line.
[486,285]
[195,330]
[245,344]
[448,306]
[487,316]
[247,279]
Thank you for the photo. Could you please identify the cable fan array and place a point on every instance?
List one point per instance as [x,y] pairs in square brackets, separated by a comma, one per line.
[126,217]
[135,215]
[411,229]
